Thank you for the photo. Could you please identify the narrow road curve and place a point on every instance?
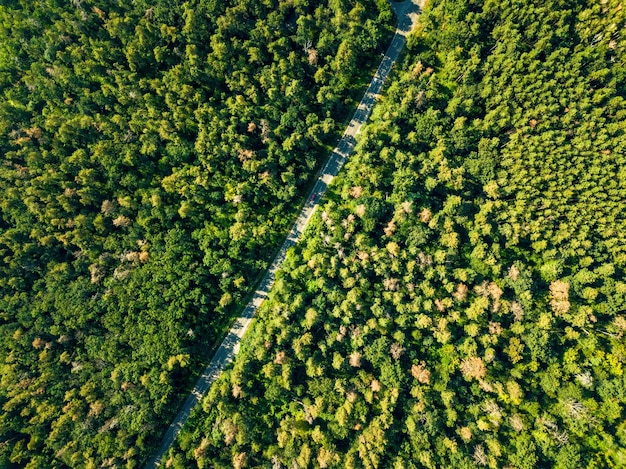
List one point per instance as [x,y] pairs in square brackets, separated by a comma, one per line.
[407,13]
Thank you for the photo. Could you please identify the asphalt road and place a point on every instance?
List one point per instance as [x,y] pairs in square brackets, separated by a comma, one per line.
[407,13]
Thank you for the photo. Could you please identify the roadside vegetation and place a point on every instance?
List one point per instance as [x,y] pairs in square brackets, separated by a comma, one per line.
[459,300]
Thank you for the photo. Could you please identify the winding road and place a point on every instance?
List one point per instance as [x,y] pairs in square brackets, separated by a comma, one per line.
[407,13]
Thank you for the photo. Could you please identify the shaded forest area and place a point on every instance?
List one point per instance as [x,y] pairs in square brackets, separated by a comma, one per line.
[459,300]
[153,156]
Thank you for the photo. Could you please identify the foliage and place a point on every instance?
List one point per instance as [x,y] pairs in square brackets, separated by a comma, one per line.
[459,299]
[154,155]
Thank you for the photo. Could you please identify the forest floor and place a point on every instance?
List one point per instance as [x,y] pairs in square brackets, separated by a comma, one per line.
[407,13]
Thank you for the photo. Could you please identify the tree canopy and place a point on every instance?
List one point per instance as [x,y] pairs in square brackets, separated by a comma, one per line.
[154,154]
[459,299]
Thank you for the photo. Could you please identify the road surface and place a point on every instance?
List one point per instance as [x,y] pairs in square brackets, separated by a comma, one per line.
[407,13]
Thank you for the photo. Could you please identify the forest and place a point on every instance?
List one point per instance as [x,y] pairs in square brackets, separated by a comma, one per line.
[154,155]
[459,300]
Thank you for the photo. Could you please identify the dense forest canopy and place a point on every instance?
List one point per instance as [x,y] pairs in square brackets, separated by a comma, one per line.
[153,156]
[459,300]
